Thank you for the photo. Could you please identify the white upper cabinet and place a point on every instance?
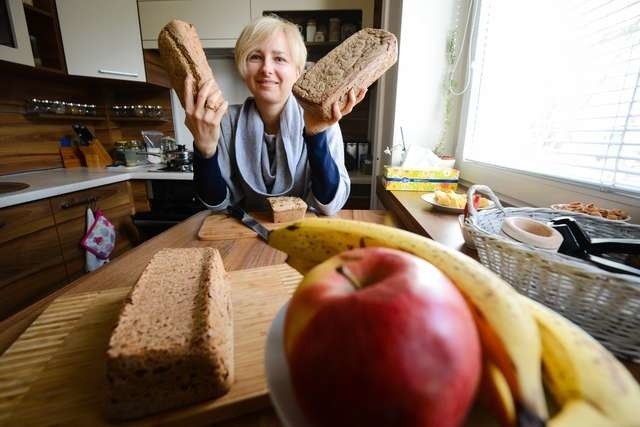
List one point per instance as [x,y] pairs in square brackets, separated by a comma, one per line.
[101,38]
[16,46]
[218,22]
[259,6]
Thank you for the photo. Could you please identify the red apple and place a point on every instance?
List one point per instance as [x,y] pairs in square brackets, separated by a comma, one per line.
[379,337]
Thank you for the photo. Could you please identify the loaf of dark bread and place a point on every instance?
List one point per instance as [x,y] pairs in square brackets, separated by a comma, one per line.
[173,343]
[356,63]
[182,54]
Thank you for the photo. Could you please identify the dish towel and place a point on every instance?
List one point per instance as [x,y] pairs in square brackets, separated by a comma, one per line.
[99,240]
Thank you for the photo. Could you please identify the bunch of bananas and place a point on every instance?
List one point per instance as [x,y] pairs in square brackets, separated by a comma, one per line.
[523,342]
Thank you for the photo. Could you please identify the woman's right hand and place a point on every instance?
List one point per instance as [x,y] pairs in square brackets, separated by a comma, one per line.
[203,116]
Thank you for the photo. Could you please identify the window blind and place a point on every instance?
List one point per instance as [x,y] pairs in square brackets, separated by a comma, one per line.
[556,90]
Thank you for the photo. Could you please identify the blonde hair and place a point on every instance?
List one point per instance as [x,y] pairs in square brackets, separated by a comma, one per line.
[262,29]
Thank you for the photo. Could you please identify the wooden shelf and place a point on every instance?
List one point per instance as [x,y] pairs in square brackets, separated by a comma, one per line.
[358,177]
[138,119]
[322,44]
[34,9]
[49,116]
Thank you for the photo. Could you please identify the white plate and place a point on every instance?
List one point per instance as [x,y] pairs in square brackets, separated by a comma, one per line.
[277,372]
[431,199]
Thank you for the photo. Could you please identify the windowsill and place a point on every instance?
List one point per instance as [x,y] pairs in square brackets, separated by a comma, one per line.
[521,189]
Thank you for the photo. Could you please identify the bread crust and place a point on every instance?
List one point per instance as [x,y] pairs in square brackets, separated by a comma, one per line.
[182,54]
[173,344]
[356,63]
[286,208]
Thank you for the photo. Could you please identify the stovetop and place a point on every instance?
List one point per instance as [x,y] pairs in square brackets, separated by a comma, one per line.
[180,168]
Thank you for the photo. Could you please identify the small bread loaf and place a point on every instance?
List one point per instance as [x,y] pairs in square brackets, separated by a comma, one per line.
[356,63]
[173,344]
[182,54]
[286,209]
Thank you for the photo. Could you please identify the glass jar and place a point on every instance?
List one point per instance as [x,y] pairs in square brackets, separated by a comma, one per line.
[311,30]
[334,29]
[59,107]
[139,111]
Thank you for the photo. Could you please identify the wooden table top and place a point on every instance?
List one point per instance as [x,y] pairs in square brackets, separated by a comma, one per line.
[237,254]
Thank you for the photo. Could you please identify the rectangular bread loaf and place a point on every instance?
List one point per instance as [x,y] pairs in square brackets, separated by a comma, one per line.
[286,209]
[356,63]
[173,343]
[182,54]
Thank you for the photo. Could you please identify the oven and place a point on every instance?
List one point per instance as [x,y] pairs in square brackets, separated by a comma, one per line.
[172,201]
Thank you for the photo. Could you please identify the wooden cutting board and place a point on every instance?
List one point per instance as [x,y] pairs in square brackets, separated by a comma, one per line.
[224,227]
[54,373]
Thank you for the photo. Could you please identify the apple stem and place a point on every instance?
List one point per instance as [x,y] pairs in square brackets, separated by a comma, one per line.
[344,270]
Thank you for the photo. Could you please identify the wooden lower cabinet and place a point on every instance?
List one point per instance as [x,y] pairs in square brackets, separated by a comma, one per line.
[31,263]
[40,248]
[70,211]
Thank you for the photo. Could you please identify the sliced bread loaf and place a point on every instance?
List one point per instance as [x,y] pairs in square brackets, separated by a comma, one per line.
[182,54]
[173,343]
[286,209]
[356,63]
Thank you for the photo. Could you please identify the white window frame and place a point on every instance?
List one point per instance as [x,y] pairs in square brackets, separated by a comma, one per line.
[521,188]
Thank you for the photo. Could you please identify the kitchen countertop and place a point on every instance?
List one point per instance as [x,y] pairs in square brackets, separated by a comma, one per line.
[54,182]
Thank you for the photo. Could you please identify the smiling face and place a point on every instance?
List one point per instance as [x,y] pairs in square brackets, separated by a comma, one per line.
[270,70]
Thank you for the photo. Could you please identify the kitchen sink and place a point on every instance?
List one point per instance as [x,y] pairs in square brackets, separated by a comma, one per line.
[9,187]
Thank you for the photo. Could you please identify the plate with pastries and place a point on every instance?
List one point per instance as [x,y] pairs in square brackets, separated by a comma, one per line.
[593,210]
[452,202]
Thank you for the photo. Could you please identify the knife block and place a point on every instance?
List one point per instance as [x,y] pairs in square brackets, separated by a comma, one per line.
[95,155]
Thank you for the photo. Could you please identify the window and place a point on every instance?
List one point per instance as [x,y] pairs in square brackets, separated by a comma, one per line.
[555,91]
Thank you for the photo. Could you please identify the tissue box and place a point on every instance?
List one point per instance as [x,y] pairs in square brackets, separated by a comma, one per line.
[431,179]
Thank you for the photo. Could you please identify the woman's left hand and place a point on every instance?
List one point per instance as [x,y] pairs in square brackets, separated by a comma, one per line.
[314,124]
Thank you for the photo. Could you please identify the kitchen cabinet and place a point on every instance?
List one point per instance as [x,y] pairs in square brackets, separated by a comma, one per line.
[102,38]
[69,212]
[42,22]
[31,263]
[218,22]
[15,45]
[40,248]
[258,7]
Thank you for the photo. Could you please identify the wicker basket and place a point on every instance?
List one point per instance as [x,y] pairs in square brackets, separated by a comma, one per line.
[605,304]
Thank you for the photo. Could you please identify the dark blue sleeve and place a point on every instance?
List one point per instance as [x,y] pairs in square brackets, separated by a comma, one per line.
[210,184]
[324,172]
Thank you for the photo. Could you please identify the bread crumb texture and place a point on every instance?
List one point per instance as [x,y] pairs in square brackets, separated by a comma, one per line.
[357,62]
[182,54]
[286,209]
[173,343]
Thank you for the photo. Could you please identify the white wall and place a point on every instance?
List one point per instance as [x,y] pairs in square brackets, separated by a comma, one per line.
[233,88]
[423,73]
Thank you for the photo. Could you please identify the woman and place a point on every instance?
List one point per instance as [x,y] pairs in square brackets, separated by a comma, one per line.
[268,146]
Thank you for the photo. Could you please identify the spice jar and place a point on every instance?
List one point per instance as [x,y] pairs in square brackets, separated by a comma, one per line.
[334,29]
[311,30]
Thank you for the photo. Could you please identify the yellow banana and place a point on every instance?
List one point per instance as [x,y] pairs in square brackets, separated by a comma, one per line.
[494,394]
[508,333]
[578,368]
[580,413]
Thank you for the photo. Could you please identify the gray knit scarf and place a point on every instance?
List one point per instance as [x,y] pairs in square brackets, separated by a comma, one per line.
[251,148]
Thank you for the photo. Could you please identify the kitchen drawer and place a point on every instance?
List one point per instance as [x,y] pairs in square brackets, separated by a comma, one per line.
[74,205]
[71,233]
[21,220]
[30,268]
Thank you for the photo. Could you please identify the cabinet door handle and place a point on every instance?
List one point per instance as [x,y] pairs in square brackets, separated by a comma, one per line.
[117,73]
[87,201]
